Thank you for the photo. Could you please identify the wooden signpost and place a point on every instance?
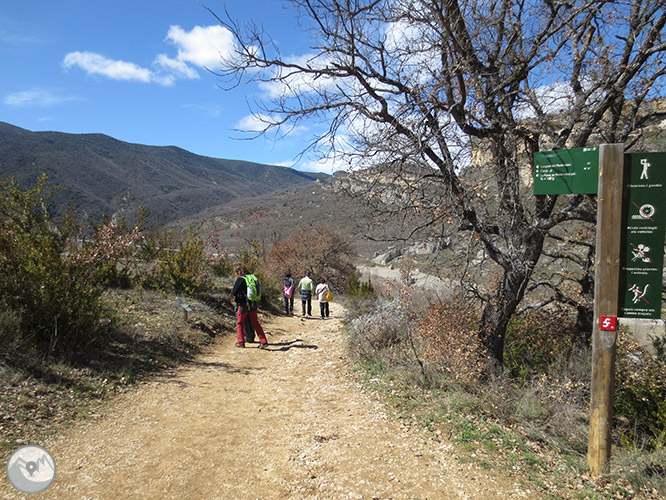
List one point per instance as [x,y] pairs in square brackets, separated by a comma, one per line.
[573,171]
[606,302]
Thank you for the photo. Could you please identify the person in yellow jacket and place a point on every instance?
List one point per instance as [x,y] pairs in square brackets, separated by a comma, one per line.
[306,289]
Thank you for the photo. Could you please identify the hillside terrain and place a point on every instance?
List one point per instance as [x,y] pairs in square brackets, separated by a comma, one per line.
[286,213]
[232,201]
[102,175]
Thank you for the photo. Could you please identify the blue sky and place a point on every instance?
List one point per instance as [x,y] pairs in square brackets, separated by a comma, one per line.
[135,70]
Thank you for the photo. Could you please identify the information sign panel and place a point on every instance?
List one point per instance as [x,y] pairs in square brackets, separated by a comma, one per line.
[643,232]
[567,171]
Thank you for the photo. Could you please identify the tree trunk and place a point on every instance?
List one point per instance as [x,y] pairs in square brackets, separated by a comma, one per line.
[499,309]
[584,322]
[498,312]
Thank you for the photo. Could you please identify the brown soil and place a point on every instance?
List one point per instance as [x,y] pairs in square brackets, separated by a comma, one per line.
[287,422]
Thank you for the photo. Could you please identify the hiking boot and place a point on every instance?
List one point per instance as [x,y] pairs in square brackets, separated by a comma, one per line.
[263,346]
[238,344]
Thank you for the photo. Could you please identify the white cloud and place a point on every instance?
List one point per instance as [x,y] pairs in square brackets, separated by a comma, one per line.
[254,123]
[326,165]
[336,157]
[285,164]
[259,123]
[209,110]
[554,98]
[288,83]
[95,64]
[9,38]
[176,67]
[17,33]
[38,98]
[203,46]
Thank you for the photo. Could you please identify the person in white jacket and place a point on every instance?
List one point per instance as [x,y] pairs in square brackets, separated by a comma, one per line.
[321,290]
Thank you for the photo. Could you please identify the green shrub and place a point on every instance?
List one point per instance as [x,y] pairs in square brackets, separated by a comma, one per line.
[113,275]
[50,279]
[640,395]
[171,264]
[112,247]
[659,346]
[10,330]
[357,289]
[222,266]
[271,290]
[535,341]
[185,269]
[251,258]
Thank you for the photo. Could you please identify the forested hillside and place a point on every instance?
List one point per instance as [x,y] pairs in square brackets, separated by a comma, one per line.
[102,175]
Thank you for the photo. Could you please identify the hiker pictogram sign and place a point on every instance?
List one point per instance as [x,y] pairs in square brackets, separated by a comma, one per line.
[643,233]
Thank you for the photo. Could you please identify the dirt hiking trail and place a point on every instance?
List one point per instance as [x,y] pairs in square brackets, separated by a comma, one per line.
[287,422]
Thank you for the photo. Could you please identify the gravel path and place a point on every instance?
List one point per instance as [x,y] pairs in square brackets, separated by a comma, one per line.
[287,422]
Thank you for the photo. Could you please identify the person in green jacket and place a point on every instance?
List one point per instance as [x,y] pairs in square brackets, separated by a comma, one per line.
[306,288]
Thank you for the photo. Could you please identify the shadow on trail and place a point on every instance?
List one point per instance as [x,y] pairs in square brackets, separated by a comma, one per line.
[173,377]
[285,346]
[215,366]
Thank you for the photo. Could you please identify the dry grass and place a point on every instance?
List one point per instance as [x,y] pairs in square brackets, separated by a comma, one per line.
[149,336]
[448,340]
[533,419]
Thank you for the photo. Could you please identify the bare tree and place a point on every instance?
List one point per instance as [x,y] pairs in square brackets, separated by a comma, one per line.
[324,251]
[431,90]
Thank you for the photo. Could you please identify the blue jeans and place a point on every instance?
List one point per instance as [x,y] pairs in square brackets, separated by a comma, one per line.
[289,304]
[306,301]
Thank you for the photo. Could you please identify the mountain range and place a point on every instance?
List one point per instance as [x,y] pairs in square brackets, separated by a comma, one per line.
[104,176]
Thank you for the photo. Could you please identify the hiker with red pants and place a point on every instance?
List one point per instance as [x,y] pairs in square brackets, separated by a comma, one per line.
[245,308]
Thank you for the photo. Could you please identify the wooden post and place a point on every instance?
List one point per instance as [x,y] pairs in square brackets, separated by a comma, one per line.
[187,310]
[606,303]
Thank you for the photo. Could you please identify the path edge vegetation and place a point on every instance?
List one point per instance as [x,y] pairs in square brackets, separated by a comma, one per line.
[530,421]
[89,311]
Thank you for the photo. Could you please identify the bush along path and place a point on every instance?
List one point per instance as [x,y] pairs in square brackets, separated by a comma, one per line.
[286,422]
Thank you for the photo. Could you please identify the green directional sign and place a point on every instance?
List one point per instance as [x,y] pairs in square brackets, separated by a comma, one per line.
[643,232]
[567,171]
